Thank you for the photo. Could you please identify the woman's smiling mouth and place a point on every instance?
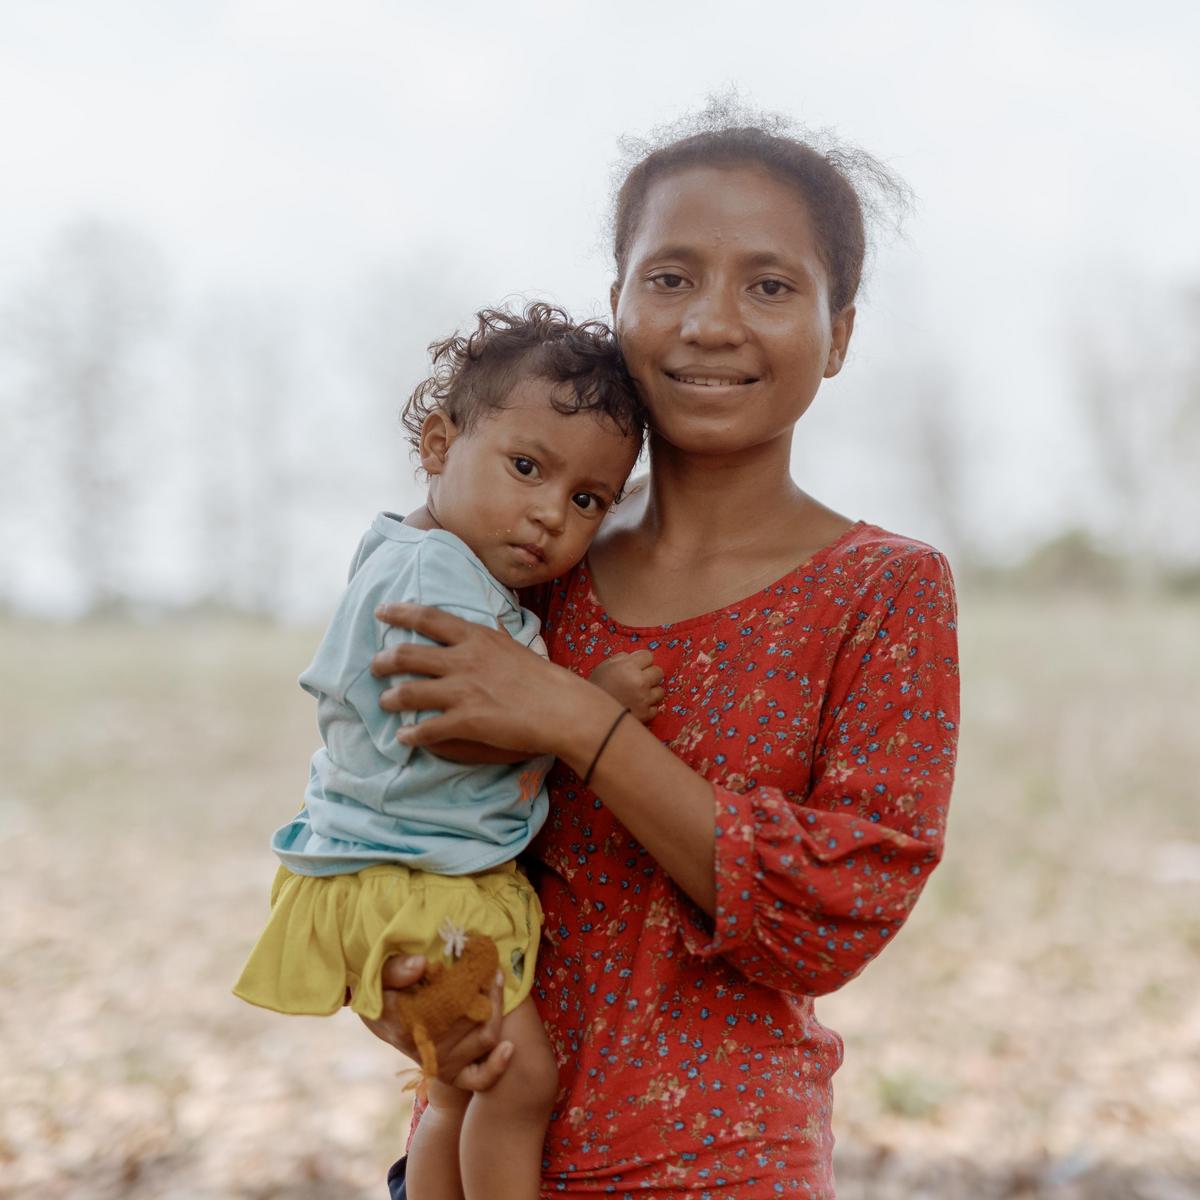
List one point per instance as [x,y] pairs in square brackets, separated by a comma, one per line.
[709,379]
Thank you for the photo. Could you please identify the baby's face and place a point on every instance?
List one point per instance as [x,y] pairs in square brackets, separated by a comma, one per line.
[526,487]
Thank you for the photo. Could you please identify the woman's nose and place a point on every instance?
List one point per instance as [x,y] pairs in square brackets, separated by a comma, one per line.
[713,318]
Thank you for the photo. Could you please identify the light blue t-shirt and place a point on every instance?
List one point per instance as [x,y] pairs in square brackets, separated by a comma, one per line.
[371,799]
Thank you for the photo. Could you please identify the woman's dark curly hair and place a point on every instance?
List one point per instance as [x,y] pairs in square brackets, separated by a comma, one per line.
[475,374]
[845,190]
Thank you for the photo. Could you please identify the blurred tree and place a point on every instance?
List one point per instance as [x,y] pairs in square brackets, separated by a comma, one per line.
[400,309]
[78,333]
[18,454]
[1071,560]
[243,374]
[1137,373]
[928,399]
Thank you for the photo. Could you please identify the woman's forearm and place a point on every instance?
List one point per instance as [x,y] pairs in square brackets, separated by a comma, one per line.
[485,687]
[476,753]
[661,801]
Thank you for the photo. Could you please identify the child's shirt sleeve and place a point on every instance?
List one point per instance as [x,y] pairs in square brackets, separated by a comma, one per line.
[439,572]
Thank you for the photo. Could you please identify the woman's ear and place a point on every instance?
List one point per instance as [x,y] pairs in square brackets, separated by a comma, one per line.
[839,343]
[614,294]
[438,432]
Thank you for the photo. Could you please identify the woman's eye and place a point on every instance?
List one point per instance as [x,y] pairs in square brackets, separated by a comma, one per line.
[523,465]
[773,287]
[668,279]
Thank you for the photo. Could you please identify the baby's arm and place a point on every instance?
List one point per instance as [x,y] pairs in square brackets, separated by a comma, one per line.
[634,680]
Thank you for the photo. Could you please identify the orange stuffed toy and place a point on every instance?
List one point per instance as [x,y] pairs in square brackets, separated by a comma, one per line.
[448,992]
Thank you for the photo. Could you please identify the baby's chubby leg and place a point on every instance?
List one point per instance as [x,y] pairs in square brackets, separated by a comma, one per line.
[433,1158]
[505,1127]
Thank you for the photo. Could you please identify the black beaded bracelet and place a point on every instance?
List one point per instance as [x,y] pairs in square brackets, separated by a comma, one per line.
[611,730]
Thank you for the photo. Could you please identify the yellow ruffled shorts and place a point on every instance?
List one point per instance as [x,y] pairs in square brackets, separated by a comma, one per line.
[332,932]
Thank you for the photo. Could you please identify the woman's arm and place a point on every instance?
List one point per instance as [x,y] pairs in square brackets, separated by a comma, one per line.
[474,675]
[631,679]
[810,890]
[800,894]
[476,753]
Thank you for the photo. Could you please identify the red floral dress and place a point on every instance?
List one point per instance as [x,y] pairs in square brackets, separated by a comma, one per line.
[824,709]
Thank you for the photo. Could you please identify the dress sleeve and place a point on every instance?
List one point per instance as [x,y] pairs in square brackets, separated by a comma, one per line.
[809,890]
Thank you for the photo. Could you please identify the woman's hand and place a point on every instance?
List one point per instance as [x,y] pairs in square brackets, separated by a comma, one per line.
[470,1056]
[486,687]
[489,688]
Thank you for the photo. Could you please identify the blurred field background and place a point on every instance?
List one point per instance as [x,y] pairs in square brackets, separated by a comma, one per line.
[1034,1032]
[228,231]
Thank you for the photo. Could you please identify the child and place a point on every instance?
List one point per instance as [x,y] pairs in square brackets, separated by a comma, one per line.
[527,430]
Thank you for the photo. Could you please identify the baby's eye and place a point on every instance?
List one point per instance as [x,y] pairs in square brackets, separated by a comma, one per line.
[772,287]
[523,465]
[668,280]
[587,502]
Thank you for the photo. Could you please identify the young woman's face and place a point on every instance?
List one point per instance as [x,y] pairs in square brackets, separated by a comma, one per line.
[723,315]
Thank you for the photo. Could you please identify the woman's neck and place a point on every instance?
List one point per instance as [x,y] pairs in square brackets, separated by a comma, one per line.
[702,533]
[719,502]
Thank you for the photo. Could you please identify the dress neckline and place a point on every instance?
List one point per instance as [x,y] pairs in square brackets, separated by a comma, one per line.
[717,613]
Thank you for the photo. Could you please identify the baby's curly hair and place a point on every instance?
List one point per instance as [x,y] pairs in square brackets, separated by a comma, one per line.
[475,374]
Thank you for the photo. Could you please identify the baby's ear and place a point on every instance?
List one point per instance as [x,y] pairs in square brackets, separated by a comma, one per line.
[438,432]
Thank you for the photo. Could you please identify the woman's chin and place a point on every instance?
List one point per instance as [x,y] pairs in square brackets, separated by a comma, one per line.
[705,439]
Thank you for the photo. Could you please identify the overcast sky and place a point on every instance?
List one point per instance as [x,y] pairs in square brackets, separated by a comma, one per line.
[290,147]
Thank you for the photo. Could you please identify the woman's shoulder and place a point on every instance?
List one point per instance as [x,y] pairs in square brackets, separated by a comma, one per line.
[879,577]
[872,569]
[866,549]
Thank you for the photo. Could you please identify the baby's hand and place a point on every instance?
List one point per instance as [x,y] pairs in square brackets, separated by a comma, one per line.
[634,680]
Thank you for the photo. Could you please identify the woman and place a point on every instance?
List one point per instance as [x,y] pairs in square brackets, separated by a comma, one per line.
[764,837]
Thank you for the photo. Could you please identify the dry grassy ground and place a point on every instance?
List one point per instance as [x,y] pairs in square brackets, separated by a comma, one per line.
[1035,1032]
